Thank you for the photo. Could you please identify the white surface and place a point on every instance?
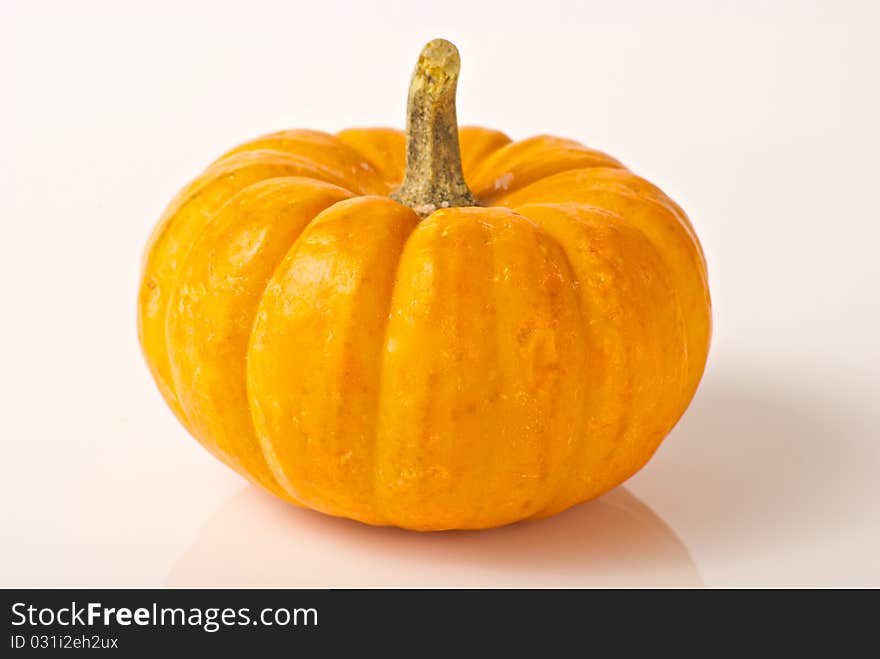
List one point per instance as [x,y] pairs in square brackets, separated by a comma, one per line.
[761,121]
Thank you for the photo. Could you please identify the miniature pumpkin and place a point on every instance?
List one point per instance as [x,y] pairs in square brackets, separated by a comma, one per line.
[437,329]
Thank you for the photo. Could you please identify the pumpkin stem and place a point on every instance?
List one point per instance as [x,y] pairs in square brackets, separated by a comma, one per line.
[433,177]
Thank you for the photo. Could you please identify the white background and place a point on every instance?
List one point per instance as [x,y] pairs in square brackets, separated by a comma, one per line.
[760,118]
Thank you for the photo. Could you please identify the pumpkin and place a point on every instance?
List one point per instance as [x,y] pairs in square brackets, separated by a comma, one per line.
[436,329]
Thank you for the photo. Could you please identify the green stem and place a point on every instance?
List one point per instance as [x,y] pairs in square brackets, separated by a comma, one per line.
[433,177]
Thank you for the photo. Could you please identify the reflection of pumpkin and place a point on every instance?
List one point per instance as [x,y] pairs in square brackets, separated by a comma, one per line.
[255,541]
[459,351]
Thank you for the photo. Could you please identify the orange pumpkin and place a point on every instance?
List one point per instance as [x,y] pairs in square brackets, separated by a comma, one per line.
[436,329]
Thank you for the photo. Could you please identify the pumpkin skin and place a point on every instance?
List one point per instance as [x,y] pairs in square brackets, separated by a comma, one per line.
[469,369]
